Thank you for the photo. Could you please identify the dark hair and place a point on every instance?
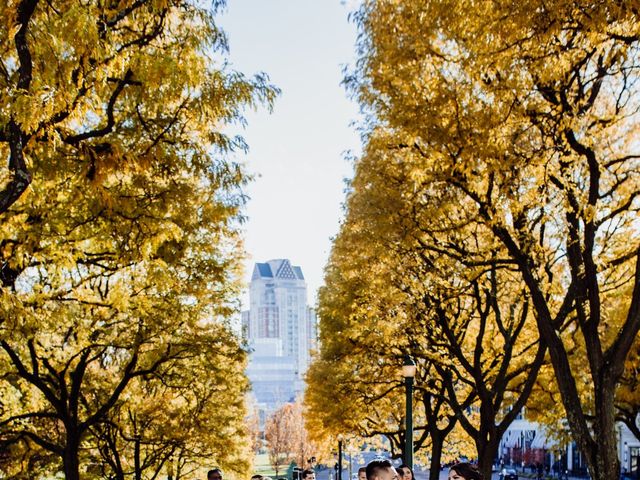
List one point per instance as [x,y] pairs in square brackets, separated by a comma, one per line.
[468,471]
[362,469]
[403,466]
[257,476]
[306,472]
[215,470]
[374,466]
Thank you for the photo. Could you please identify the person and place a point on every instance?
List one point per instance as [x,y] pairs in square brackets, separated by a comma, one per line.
[257,476]
[405,472]
[214,474]
[308,474]
[464,471]
[381,469]
[362,473]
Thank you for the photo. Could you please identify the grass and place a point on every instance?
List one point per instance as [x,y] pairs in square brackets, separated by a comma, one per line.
[263,467]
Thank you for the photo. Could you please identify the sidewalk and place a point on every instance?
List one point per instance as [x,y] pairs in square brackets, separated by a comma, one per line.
[424,475]
[526,474]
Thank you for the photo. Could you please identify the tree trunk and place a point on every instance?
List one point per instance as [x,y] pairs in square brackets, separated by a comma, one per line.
[487,450]
[605,464]
[70,461]
[597,440]
[437,442]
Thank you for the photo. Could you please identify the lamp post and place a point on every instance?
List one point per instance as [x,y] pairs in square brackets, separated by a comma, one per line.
[339,472]
[408,372]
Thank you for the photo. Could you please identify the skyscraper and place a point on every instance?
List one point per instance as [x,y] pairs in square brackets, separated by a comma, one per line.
[280,329]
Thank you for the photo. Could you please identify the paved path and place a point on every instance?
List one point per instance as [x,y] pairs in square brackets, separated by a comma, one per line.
[324,475]
[420,475]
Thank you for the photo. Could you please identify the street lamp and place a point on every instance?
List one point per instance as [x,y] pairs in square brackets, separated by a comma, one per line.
[408,372]
[339,472]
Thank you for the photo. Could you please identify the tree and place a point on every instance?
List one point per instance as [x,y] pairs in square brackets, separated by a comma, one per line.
[528,111]
[252,422]
[80,385]
[358,364]
[184,418]
[303,447]
[464,316]
[125,272]
[278,432]
[370,404]
[287,438]
[364,406]
[111,84]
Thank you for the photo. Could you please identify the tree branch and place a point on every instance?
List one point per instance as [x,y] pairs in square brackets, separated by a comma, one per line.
[108,128]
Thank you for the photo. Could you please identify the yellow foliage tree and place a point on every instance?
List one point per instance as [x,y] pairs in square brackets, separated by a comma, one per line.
[181,419]
[524,113]
[121,265]
[98,87]
[437,288]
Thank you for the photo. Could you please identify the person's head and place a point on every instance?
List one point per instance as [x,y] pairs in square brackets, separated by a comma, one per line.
[464,471]
[362,473]
[308,474]
[405,472]
[257,476]
[214,474]
[381,470]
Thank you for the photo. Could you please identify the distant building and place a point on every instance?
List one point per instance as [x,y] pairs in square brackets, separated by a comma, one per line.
[281,330]
[526,444]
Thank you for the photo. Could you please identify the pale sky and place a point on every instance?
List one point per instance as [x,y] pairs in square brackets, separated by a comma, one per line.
[297,152]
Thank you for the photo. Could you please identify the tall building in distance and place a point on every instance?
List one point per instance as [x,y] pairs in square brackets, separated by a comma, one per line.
[280,328]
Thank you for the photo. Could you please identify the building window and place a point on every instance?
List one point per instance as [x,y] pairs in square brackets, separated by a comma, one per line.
[634,461]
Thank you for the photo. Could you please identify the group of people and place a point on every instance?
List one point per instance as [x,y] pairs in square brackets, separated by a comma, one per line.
[382,469]
[216,474]
[403,472]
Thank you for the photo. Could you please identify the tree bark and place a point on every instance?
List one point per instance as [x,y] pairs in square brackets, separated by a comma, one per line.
[437,443]
[487,451]
[605,462]
[70,460]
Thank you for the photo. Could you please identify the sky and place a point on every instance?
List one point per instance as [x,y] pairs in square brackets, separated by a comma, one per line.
[297,152]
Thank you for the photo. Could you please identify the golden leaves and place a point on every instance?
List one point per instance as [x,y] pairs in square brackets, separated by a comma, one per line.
[124,257]
[497,192]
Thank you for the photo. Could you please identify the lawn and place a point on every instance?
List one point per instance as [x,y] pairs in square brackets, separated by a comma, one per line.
[263,467]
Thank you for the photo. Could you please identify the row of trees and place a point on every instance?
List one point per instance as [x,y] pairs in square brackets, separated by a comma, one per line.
[120,263]
[491,226]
